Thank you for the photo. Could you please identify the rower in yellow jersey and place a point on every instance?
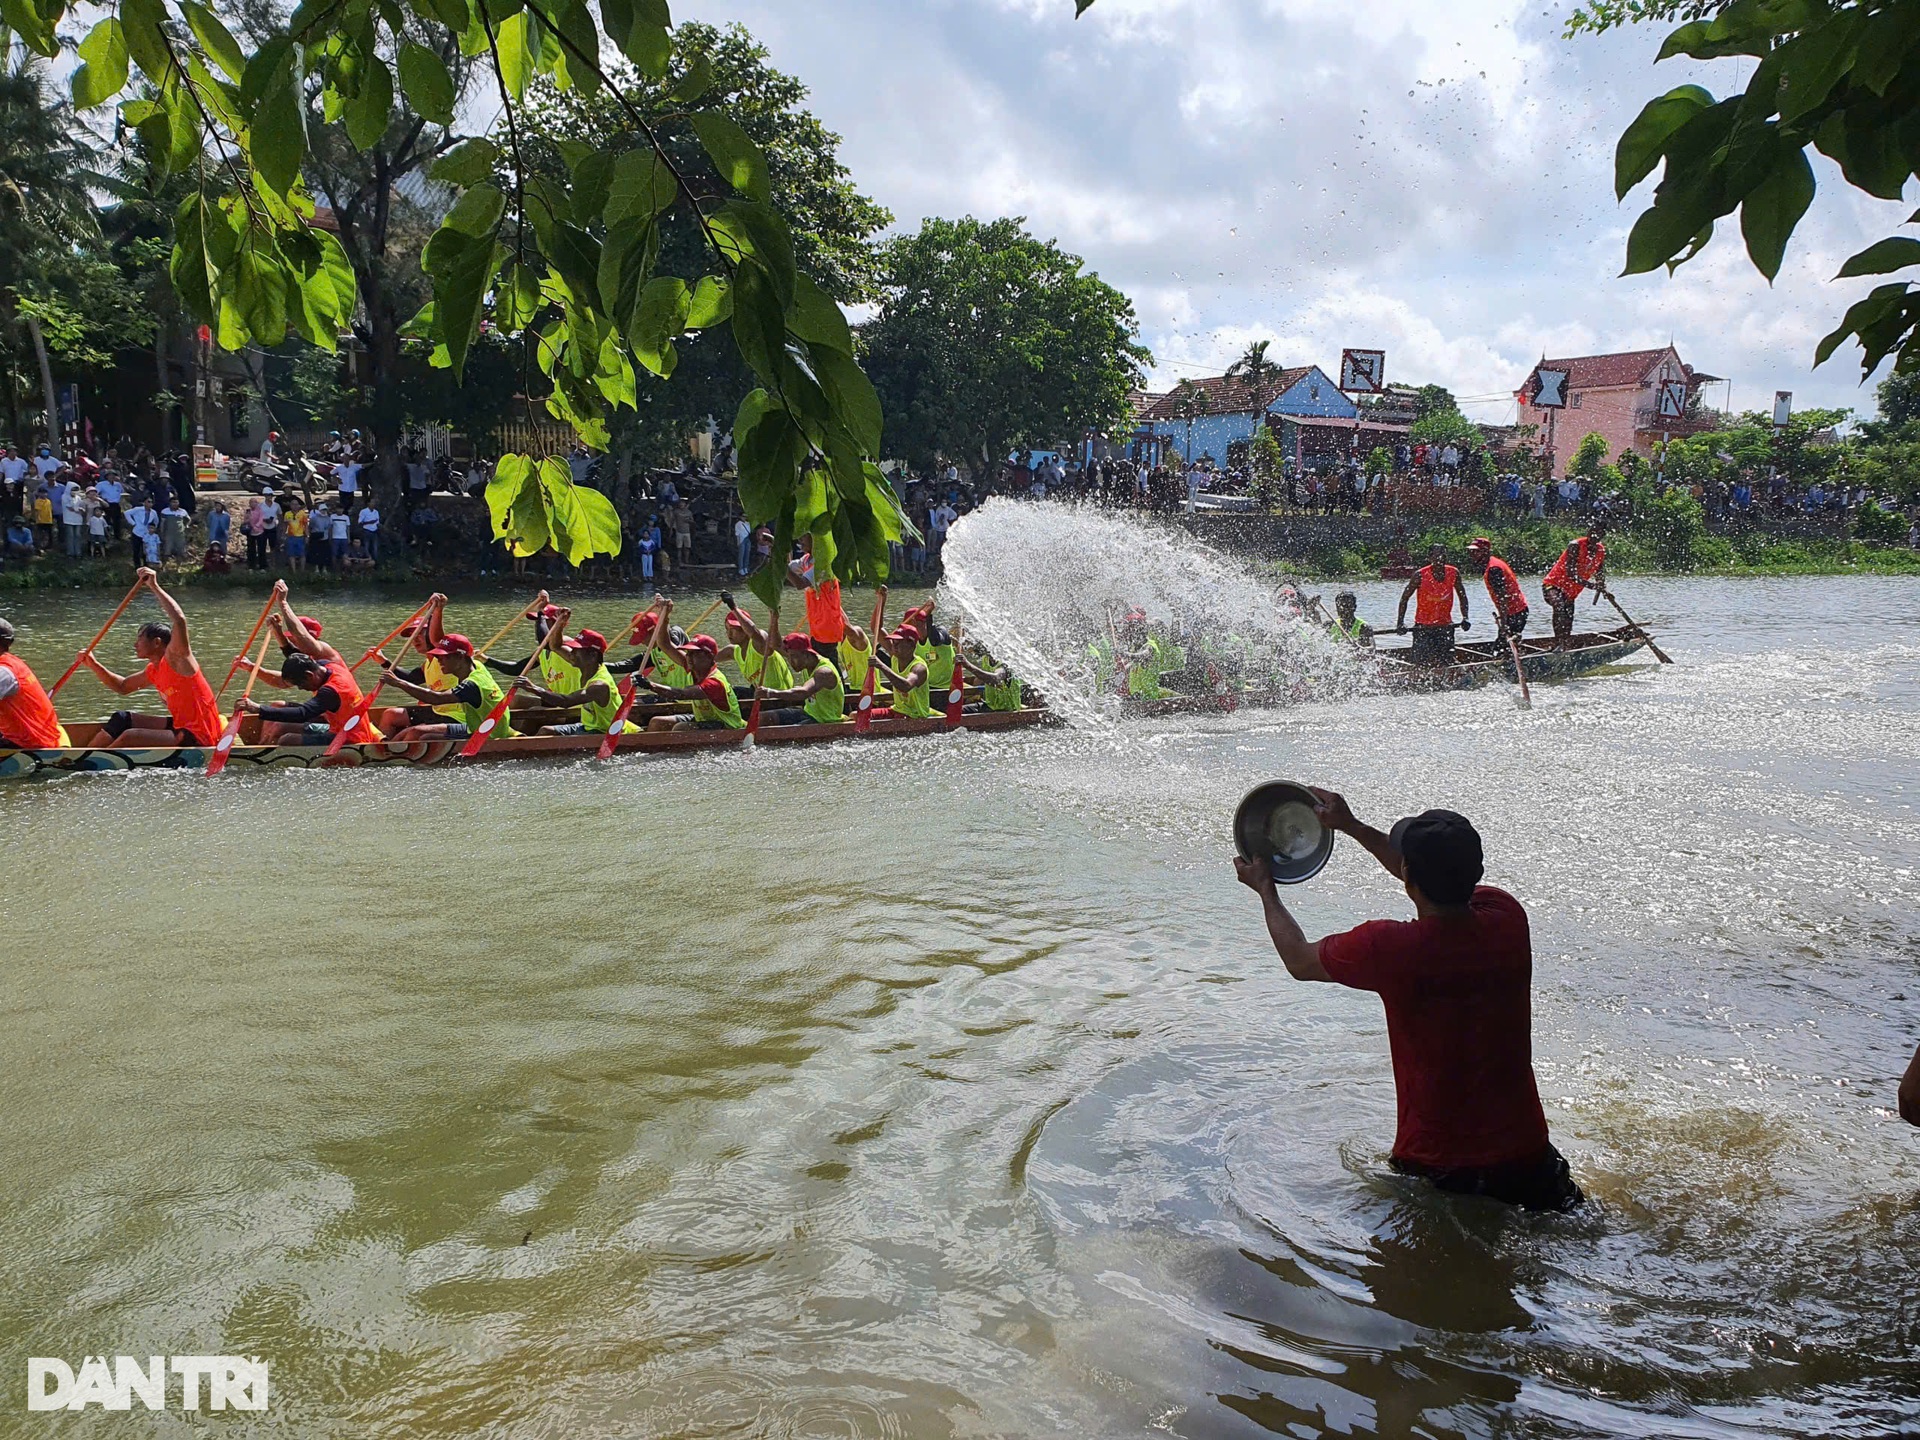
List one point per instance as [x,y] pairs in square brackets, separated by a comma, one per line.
[756,654]
[910,680]
[820,700]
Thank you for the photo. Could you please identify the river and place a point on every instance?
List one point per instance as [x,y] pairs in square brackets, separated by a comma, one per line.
[952,1088]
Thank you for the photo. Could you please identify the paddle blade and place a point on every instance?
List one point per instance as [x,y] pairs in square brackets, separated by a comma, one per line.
[355,729]
[956,695]
[223,750]
[863,714]
[619,726]
[480,737]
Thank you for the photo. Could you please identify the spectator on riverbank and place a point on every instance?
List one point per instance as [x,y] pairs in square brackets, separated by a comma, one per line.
[1456,984]
[19,546]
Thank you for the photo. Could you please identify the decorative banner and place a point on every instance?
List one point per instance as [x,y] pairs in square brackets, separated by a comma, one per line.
[1363,372]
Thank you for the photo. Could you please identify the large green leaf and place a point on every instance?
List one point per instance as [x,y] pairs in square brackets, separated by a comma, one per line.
[278,136]
[1772,210]
[740,162]
[478,210]
[642,187]
[513,43]
[144,24]
[1645,140]
[103,71]
[659,315]
[215,39]
[852,395]
[1883,257]
[467,163]
[368,112]
[816,319]
[427,83]
[462,267]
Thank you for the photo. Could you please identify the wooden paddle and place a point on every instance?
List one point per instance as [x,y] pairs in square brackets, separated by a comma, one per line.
[223,750]
[94,643]
[1658,653]
[863,717]
[628,691]
[957,686]
[253,635]
[478,740]
[759,686]
[393,635]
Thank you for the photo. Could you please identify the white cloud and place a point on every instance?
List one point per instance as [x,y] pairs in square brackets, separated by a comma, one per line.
[1432,179]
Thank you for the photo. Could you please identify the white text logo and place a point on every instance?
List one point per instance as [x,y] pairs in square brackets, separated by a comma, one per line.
[219,1382]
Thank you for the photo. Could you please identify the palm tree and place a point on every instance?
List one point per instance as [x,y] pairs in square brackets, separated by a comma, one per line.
[1257,372]
[1189,401]
[45,204]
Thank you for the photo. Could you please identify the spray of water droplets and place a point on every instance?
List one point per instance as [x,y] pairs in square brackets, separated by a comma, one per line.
[1038,584]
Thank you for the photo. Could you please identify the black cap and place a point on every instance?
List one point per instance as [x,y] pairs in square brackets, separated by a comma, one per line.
[1443,855]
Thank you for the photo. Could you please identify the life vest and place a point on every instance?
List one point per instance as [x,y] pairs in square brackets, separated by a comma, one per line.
[558,673]
[1434,605]
[434,676]
[825,620]
[913,703]
[492,692]
[1343,631]
[705,712]
[939,662]
[855,662]
[669,674]
[598,718]
[27,718]
[1010,696]
[340,677]
[1576,567]
[828,704]
[1507,596]
[1143,680]
[189,701]
[753,665]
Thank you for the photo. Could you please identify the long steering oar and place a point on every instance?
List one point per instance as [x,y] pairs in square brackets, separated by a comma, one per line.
[247,648]
[223,751]
[94,643]
[487,726]
[863,717]
[1519,671]
[1658,653]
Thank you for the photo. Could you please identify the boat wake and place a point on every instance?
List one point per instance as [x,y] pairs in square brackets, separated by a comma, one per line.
[1040,585]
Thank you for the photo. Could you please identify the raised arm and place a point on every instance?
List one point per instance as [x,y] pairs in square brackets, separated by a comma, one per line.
[1334,813]
[1300,955]
[299,637]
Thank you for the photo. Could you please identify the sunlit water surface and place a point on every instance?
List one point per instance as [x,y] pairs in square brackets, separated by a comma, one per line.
[952,1088]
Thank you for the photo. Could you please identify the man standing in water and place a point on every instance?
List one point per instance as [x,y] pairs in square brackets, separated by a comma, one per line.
[1456,983]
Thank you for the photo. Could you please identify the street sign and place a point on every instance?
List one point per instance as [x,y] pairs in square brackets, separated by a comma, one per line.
[1550,389]
[1673,399]
[1782,408]
[1363,372]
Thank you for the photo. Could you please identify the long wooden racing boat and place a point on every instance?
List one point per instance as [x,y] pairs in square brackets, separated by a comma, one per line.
[1545,658]
[16,764]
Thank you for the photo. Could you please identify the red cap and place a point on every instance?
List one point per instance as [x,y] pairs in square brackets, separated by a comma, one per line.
[1135,616]
[311,626]
[1481,543]
[643,624]
[905,632]
[797,640]
[550,612]
[452,645]
[704,645]
[590,640]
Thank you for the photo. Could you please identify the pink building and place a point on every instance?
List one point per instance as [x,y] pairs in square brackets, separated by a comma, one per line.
[1631,400]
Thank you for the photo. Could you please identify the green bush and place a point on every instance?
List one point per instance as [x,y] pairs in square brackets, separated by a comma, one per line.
[1713,552]
[1673,524]
[1885,527]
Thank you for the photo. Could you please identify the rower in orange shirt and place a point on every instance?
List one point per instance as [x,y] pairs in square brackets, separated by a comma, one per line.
[193,715]
[27,719]
[1503,588]
[1581,564]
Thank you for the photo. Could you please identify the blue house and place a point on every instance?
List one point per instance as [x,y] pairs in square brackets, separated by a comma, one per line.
[1203,417]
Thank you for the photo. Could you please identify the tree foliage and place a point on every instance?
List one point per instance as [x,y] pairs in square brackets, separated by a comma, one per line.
[574,265]
[987,337]
[1839,78]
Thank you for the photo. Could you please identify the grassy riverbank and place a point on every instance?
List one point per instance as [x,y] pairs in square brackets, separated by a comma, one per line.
[1530,547]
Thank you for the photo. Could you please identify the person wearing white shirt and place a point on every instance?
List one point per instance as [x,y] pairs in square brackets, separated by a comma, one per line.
[1196,480]
[13,471]
[73,516]
[112,493]
[47,464]
[369,519]
[145,521]
[743,544]
[339,533]
[347,474]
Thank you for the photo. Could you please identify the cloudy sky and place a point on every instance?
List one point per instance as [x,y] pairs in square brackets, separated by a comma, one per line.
[1434,180]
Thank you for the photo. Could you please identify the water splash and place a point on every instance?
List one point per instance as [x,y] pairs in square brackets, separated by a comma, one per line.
[1040,583]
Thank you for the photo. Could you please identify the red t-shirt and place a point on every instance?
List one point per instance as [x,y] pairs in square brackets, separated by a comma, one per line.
[1457,992]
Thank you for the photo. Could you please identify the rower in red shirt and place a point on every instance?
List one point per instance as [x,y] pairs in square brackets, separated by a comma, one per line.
[27,718]
[192,716]
[1510,608]
[1456,983]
